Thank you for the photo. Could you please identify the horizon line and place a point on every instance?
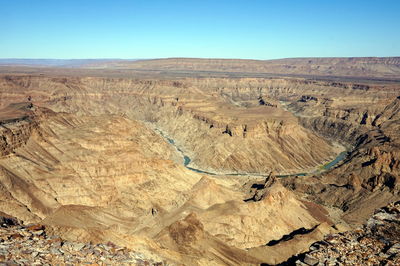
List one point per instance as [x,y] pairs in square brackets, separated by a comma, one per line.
[183,57]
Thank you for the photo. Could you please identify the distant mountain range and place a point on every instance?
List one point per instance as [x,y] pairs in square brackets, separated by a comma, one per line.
[388,67]
[372,67]
[54,62]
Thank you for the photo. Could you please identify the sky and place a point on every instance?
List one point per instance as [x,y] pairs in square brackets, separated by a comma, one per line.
[258,29]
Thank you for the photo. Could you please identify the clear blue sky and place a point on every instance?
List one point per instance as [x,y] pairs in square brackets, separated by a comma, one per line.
[225,29]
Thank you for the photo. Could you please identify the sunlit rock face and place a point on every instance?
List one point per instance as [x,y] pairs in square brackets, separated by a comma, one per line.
[223,128]
[101,159]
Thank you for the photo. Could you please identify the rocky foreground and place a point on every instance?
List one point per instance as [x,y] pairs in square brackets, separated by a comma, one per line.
[375,243]
[30,245]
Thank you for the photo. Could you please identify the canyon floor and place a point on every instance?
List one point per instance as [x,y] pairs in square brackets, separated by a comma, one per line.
[199,162]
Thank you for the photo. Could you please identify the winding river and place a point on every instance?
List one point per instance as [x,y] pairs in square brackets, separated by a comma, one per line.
[186,161]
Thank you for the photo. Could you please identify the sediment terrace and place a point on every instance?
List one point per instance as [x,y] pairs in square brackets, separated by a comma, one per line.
[89,155]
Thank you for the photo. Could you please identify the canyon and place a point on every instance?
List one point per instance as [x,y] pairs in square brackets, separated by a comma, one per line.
[200,161]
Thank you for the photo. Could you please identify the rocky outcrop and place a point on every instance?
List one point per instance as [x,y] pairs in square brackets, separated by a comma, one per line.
[17,124]
[307,98]
[189,237]
[31,244]
[375,243]
[262,101]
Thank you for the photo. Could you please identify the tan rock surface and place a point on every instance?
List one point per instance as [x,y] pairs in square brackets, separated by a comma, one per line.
[216,130]
[80,155]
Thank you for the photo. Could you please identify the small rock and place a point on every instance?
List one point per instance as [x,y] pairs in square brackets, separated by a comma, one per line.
[300,263]
[395,249]
[38,232]
[35,227]
[15,236]
[77,246]
[310,260]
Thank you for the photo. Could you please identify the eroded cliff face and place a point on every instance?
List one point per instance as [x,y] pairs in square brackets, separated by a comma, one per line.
[369,124]
[92,169]
[108,178]
[222,130]
[18,122]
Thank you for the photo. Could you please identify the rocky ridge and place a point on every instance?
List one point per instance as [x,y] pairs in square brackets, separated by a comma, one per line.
[375,243]
[31,245]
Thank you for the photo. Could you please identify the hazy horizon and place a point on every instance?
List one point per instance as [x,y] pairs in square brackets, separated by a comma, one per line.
[178,57]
